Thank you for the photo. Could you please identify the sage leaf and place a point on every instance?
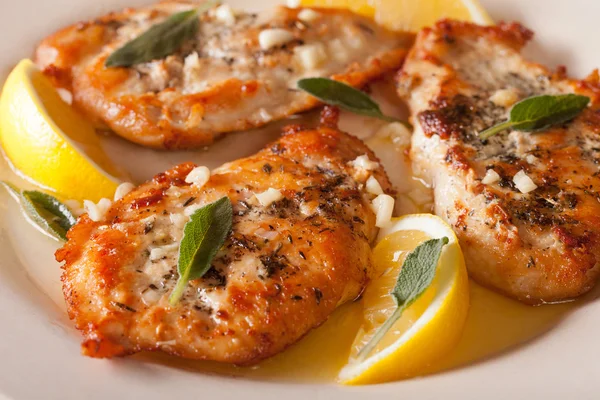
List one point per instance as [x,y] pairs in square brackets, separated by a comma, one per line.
[44,210]
[160,40]
[416,275]
[203,236]
[48,212]
[540,112]
[346,97]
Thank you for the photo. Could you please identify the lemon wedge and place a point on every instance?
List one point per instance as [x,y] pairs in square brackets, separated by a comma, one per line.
[363,7]
[410,15]
[428,328]
[46,140]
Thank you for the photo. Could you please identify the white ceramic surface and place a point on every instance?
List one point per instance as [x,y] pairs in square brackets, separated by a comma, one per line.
[39,357]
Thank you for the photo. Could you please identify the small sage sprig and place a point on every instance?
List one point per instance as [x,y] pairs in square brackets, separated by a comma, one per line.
[44,210]
[540,112]
[415,276]
[160,40]
[203,236]
[346,97]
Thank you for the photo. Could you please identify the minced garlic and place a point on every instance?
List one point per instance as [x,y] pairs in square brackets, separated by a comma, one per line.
[523,182]
[490,177]
[383,206]
[310,56]
[97,212]
[372,185]
[505,97]
[275,37]
[308,15]
[268,196]
[198,176]
[123,189]
[224,13]
[363,162]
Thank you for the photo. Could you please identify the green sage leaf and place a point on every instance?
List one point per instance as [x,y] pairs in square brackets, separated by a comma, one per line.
[203,236]
[416,275]
[417,271]
[344,96]
[48,212]
[160,40]
[540,112]
[44,210]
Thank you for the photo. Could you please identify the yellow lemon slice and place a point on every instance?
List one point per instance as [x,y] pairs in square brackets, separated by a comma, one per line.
[46,140]
[363,7]
[410,15]
[428,328]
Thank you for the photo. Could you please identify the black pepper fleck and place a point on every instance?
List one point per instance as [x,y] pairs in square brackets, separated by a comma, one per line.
[188,201]
[123,306]
[267,168]
[318,295]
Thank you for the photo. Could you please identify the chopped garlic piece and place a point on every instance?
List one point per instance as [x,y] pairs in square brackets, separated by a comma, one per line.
[158,253]
[65,95]
[311,56]
[308,208]
[490,177]
[524,182]
[97,212]
[338,50]
[355,42]
[123,189]
[505,97]
[396,132]
[270,38]
[363,162]
[178,220]
[293,3]
[104,204]
[264,115]
[531,159]
[225,14]
[198,176]
[172,342]
[268,196]
[308,15]
[383,206]
[191,63]
[373,186]
[150,297]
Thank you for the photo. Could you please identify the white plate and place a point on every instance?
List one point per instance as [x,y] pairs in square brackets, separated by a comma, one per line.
[39,356]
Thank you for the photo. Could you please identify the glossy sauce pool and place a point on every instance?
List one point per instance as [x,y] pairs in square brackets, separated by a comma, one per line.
[495,323]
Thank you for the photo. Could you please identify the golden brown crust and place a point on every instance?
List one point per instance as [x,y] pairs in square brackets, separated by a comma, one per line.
[540,246]
[225,82]
[282,271]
